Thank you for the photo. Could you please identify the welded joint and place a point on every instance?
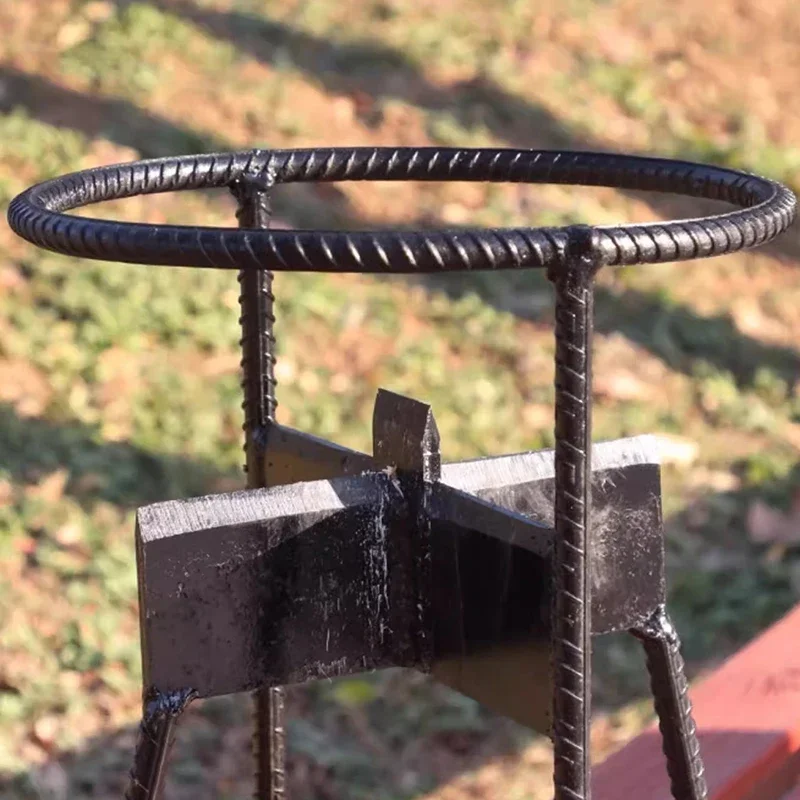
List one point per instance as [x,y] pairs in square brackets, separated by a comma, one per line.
[156,735]
[259,436]
[658,627]
[581,259]
[254,185]
[158,704]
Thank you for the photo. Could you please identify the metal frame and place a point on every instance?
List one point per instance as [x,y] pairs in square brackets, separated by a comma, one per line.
[430,522]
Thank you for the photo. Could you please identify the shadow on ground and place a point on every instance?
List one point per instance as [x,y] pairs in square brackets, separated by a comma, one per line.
[671,331]
[115,472]
[391,734]
[380,72]
[153,136]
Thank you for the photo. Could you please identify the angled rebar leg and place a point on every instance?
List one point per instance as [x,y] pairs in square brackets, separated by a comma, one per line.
[156,736]
[258,382]
[572,673]
[674,709]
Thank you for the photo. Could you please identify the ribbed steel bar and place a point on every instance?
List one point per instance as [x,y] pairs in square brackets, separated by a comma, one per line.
[766,209]
[257,320]
[156,736]
[571,256]
[674,709]
[572,672]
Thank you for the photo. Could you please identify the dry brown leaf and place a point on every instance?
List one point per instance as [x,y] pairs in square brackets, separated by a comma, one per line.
[223,363]
[792,433]
[69,534]
[73,33]
[98,10]
[51,488]
[622,384]
[45,731]
[6,492]
[22,385]
[538,416]
[10,279]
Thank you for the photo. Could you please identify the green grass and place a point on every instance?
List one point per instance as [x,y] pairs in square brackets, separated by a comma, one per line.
[119,383]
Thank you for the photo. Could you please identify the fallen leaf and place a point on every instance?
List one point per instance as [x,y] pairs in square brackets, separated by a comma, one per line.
[10,279]
[25,545]
[223,363]
[45,731]
[455,213]
[72,34]
[538,416]
[344,109]
[622,385]
[98,10]
[51,488]
[69,534]
[791,433]
[6,492]
[24,387]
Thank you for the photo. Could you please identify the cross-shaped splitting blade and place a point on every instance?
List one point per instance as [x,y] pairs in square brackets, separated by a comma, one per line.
[395,563]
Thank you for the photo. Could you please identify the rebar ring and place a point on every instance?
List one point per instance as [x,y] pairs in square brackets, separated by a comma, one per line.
[766,208]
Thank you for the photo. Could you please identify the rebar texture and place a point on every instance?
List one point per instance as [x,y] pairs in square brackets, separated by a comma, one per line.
[156,736]
[767,208]
[257,320]
[571,256]
[673,707]
[572,673]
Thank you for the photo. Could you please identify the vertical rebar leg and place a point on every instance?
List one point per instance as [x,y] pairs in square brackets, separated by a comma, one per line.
[674,709]
[258,369]
[156,736]
[572,673]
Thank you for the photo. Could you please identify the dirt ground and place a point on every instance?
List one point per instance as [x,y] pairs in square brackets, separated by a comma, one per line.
[119,385]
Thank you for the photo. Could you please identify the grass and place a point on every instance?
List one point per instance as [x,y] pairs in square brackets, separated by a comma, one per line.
[119,384]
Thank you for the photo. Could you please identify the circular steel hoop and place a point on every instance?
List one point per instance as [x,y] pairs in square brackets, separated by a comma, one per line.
[766,209]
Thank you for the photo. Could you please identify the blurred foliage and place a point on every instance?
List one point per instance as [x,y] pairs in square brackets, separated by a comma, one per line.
[119,384]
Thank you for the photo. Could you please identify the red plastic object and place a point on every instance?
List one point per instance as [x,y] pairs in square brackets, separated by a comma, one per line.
[748,720]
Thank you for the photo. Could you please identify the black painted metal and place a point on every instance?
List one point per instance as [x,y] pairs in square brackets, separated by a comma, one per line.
[572,598]
[767,208]
[443,569]
[257,319]
[156,737]
[671,694]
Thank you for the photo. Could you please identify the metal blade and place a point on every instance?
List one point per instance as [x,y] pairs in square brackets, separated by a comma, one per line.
[273,586]
[322,579]
[628,582]
[492,576]
[292,456]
